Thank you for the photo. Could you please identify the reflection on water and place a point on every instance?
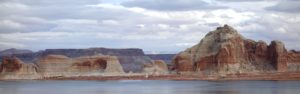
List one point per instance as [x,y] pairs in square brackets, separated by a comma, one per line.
[149,87]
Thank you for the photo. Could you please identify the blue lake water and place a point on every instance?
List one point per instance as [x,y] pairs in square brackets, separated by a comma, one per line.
[149,87]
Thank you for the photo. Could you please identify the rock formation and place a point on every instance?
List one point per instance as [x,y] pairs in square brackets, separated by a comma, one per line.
[53,65]
[224,51]
[99,63]
[183,63]
[14,68]
[157,67]
[60,66]
[131,59]
[293,61]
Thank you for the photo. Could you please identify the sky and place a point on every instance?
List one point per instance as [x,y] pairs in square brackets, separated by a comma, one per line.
[156,26]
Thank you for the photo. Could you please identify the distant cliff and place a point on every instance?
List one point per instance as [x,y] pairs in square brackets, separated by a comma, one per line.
[225,51]
[131,59]
[14,51]
[165,57]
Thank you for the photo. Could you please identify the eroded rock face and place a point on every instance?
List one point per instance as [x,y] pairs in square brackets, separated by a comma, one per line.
[102,63]
[293,61]
[14,68]
[10,64]
[54,65]
[226,51]
[131,59]
[183,63]
[60,66]
[157,67]
[278,55]
[88,64]
[113,66]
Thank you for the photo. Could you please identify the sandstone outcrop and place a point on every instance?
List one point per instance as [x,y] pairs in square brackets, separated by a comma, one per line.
[131,59]
[183,63]
[293,61]
[224,51]
[99,63]
[60,66]
[53,65]
[14,68]
[157,67]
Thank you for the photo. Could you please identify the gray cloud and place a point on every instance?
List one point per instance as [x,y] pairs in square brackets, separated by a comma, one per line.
[157,25]
[243,0]
[267,27]
[174,5]
[26,16]
[289,6]
[53,2]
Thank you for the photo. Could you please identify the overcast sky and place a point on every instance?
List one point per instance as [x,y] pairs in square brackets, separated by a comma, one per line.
[153,25]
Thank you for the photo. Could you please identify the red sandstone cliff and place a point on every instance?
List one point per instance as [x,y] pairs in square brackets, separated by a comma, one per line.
[225,51]
[14,68]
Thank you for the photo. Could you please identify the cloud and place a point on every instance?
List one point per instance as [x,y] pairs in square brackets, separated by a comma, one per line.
[174,5]
[9,8]
[110,22]
[7,26]
[243,0]
[273,26]
[54,2]
[288,6]
[11,24]
[7,45]
[13,5]
[138,23]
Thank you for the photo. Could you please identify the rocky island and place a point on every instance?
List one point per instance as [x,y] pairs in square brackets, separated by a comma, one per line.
[223,54]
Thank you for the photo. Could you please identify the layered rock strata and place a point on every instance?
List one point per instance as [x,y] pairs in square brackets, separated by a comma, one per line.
[14,68]
[131,59]
[157,67]
[60,66]
[225,51]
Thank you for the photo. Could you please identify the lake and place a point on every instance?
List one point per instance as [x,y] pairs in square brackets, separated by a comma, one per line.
[149,87]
